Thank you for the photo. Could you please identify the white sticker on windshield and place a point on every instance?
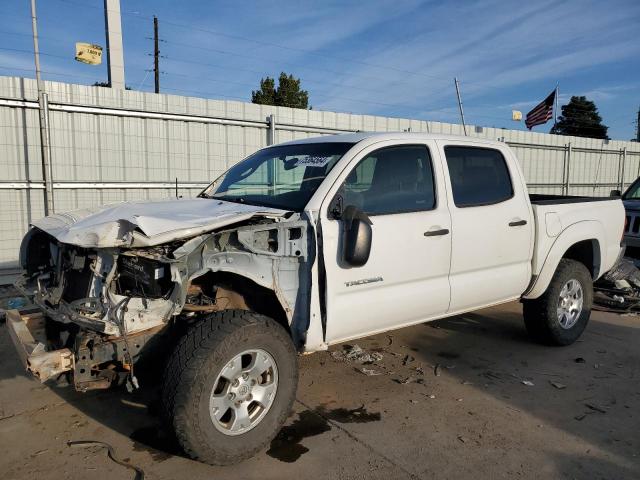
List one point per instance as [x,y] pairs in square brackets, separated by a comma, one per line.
[312,161]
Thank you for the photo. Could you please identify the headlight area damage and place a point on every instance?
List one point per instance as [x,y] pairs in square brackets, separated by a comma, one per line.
[104,307]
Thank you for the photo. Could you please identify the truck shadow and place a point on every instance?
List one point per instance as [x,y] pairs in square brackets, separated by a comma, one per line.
[487,353]
[136,415]
[588,390]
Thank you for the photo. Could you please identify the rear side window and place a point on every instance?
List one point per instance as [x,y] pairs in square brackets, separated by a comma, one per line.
[392,180]
[479,176]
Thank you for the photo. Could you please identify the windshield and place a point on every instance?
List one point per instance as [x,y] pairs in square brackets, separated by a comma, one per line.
[281,177]
[633,192]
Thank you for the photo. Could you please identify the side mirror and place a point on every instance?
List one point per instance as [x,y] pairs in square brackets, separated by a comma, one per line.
[615,193]
[357,236]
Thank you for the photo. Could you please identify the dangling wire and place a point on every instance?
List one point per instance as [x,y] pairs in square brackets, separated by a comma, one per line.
[132,381]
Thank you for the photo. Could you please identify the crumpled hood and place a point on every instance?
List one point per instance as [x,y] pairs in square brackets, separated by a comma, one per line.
[147,223]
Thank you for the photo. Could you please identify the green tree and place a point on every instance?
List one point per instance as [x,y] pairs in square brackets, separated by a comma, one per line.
[288,93]
[267,93]
[580,118]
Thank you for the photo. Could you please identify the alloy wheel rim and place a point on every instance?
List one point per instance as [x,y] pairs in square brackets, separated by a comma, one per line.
[570,304]
[243,392]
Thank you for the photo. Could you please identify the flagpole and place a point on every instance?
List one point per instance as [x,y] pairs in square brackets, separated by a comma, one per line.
[555,110]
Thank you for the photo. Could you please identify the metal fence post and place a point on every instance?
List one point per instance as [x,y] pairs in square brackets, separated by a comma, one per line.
[45,138]
[272,170]
[272,130]
[567,182]
[564,170]
[623,158]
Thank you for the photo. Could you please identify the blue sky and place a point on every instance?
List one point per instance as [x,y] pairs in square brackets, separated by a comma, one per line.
[394,58]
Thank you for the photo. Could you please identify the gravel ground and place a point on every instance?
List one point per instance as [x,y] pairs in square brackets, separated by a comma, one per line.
[467,397]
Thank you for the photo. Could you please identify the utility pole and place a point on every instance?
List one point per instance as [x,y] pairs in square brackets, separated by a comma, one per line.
[464,126]
[45,144]
[638,126]
[156,54]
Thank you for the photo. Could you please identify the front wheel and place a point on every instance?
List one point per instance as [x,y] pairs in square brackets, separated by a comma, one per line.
[229,386]
[561,313]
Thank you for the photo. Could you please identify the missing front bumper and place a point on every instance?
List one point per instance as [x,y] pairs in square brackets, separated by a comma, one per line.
[29,337]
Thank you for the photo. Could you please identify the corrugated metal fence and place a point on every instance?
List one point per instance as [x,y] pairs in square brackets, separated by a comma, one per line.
[110,145]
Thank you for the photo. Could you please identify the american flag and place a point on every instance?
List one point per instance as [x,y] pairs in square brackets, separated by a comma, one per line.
[541,113]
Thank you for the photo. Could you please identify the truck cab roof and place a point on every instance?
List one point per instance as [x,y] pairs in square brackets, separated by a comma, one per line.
[373,137]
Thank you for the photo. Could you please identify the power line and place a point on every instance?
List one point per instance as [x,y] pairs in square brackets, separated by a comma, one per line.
[262,73]
[142,17]
[31,52]
[317,94]
[139,16]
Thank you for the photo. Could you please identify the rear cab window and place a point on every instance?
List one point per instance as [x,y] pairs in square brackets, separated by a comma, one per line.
[479,176]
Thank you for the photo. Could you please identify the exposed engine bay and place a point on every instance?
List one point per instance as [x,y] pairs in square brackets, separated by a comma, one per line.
[107,305]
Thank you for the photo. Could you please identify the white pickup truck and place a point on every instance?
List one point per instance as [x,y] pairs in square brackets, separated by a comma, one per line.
[300,246]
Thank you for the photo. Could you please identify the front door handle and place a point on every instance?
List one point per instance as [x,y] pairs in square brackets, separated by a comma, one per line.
[517,223]
[435,233]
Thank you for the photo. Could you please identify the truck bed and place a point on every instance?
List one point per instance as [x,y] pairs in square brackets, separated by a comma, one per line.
[546,199]
[599,219]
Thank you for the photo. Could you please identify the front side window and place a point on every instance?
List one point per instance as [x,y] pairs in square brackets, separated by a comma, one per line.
[391,180]
[633,193]
[479,176]
[280,177]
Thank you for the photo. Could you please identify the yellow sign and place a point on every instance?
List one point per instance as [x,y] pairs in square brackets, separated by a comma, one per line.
[88,53]
[516,115]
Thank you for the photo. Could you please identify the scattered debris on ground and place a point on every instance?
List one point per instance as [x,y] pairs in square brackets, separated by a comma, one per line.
[528,383]
[595,408]
[558,385]
[408,359]
[110,453]
[407,380]
[355,353]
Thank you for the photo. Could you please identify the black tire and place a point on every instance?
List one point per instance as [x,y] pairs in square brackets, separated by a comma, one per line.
[193,368]
[541,315]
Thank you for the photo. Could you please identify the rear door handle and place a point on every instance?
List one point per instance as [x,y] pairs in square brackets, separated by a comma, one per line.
[435,233]
[517,223]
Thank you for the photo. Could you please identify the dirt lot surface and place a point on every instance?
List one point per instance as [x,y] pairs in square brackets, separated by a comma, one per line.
[499,407]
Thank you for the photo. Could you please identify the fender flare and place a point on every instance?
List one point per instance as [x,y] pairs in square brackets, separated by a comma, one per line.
[588,230]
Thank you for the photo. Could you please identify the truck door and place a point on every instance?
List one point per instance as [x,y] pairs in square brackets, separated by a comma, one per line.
[405,279]
[492,226]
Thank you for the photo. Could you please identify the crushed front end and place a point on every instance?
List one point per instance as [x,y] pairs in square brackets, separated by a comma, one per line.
[103,305]
[104,308]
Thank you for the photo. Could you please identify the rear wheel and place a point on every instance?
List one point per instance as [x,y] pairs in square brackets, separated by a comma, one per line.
[229,386]
[561,313]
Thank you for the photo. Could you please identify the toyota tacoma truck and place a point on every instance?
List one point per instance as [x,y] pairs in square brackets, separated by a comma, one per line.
[300,246]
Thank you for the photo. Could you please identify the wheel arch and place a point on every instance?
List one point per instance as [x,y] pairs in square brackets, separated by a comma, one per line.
[251,295]
[582,242]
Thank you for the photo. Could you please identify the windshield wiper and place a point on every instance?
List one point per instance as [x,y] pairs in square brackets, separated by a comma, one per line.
[240,200]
